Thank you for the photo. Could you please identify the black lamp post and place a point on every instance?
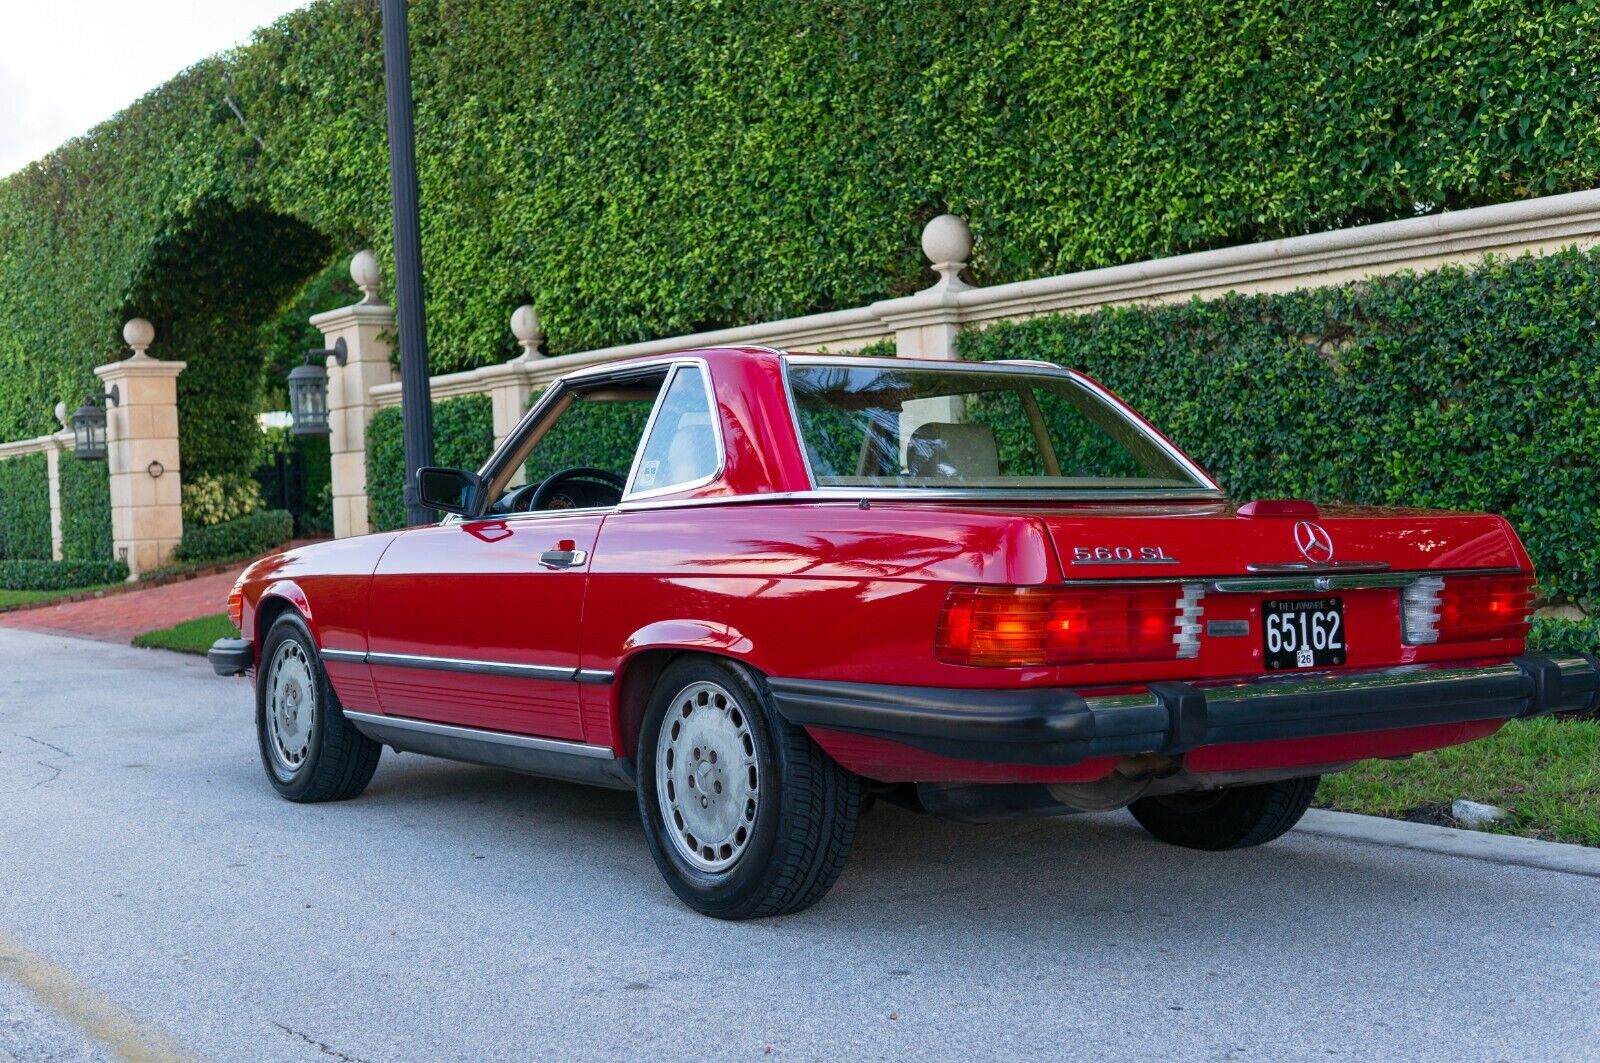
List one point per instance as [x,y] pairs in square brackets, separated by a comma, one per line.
[308,390]
[416,403]
[89,427]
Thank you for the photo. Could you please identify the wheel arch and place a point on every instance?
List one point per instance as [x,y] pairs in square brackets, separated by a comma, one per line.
[650,651]
[280,597]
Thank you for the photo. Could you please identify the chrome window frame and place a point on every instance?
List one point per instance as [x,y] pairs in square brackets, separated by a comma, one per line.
[697,365]
[552,394]
[1208,489]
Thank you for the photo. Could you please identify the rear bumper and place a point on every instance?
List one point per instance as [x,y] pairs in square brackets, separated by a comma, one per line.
[1053,726]
[231,656]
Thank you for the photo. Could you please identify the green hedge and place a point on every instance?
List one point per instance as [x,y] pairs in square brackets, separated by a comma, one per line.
[670,165]
[1565,636]
[25,507]
[463,437]
[1466,390]
[244,537]
[85,510]
[34,575]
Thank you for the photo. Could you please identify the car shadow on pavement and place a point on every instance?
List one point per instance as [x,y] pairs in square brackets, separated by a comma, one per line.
[1051,876]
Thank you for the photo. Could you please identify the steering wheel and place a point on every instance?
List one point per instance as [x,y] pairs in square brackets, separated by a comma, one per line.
[530,497]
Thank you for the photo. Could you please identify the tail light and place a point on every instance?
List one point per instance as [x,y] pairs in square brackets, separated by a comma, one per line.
[236,604]
[1014,626]
[1466,608]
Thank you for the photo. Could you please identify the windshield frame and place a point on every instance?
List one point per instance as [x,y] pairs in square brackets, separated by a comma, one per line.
[1206,488]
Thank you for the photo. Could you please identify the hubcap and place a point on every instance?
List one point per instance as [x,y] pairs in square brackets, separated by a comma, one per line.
[291,709]
[707,776]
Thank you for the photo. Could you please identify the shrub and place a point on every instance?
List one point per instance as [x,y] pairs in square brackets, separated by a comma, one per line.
[215,499]
[1550,635]
[85,510]
[33,575]
[1460,389]
[244,537]
[25,507]
[463,437]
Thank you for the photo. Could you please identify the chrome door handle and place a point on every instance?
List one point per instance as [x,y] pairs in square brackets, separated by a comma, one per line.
[563,558]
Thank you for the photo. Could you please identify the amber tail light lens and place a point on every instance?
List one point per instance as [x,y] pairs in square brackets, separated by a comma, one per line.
[1466,608]
[236,604]
[1014,626]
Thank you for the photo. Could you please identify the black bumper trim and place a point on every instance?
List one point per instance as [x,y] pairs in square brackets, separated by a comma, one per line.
[1052,725]
[231,656]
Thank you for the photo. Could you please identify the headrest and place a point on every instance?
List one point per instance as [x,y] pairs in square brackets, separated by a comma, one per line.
[943,449]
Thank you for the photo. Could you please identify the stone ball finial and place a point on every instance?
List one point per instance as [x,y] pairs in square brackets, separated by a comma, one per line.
[61,413]
[367,274]
[528,329]
[947,241]
[138,334]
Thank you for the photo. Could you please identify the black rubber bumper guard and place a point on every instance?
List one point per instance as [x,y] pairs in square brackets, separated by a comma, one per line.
[1056,726]
[231,656]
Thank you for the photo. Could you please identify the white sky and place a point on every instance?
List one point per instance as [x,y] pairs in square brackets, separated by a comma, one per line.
[65,65]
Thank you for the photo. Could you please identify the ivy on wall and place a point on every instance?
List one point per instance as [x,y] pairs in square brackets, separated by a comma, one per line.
[673,166]
[463,437]
[85,510]
[25,508]
[1459,389]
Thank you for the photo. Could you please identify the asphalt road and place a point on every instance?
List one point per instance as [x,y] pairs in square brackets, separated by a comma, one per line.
[154,891]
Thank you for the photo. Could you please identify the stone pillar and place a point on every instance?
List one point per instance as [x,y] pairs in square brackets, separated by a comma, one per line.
[367,329]
[927,324]
[142,453]
[512,390]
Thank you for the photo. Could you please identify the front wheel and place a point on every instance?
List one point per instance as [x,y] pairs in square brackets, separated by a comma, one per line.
[743,814]
[1233,817]
[311,752]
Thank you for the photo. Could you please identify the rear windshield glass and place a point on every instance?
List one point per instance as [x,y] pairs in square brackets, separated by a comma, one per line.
[910,427]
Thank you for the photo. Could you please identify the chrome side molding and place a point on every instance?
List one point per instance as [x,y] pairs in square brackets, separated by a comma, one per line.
[472,666]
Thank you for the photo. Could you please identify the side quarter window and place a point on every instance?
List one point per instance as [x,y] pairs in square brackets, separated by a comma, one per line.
[681,448]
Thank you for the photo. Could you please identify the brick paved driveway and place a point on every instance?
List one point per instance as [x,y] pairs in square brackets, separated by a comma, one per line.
[119,617]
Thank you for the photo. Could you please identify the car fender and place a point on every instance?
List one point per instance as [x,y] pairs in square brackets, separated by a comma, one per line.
[290,591]
[686,634]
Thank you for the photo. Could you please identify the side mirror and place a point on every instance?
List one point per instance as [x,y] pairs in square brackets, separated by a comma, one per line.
[450,490]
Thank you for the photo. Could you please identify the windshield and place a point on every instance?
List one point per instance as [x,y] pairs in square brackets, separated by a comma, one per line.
[920,427]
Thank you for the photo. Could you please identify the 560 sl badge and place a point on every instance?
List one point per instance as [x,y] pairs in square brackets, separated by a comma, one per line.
[1121,555]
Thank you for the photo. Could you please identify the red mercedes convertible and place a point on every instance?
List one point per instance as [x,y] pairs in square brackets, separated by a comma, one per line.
[759,589]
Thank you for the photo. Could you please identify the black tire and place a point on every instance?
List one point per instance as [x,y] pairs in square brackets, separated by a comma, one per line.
[805,807]
[1235,817]
[337,761]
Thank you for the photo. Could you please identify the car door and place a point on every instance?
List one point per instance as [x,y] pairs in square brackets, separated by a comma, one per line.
[475,623]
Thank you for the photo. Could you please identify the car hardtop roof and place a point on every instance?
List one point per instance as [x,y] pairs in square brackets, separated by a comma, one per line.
[779,356]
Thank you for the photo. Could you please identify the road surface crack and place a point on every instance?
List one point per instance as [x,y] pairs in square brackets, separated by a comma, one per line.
[42,742]
[46,782]
[318,1045]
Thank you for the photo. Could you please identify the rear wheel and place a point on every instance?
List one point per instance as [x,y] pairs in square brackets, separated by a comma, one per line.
[744,815]
[310,751]
[1234,817]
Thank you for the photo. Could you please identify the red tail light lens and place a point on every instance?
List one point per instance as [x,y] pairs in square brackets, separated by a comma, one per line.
[1467,608]
[1014,626]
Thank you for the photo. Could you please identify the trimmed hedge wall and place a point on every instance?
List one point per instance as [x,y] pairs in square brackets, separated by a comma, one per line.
[244,537]
[1565,636]
[34,575]
[463,437]
[1465,390]
[85,510]
[672,165]
[25,507]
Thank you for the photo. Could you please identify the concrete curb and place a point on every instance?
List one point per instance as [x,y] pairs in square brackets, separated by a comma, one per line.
[1468,844]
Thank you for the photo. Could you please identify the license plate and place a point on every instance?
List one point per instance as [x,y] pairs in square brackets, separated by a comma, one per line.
[1303,633]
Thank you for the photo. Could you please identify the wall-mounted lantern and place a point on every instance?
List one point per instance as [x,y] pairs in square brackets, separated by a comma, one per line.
[308,390]
[89,427]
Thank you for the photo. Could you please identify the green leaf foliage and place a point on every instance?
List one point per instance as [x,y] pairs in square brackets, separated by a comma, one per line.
[645,167]
[85,510]
[1550,635]
[1459,389]
[463,437]
[25,507]
[34,575]
[236,539]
